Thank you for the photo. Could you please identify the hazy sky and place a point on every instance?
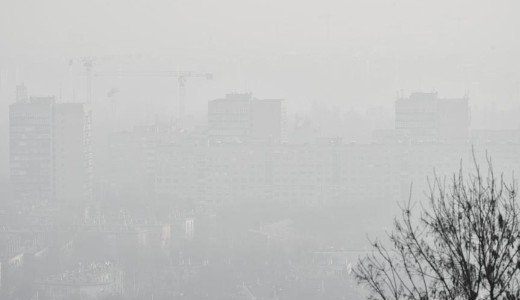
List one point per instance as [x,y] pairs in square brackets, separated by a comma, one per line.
[345,52]
[349,54]
[258,26]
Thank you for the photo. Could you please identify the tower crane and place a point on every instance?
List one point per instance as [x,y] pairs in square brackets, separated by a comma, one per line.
[89,62]
[182,77]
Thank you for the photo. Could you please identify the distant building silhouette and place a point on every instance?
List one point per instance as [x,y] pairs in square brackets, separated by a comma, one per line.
[229,118]
[50,156]
[242,118]
[267,120]
[31,148]
[72,152]
[424,117]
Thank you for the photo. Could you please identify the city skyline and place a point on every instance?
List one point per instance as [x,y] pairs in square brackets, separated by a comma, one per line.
[259,149]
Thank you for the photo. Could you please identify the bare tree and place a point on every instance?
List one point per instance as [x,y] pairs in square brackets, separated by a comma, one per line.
[463,244]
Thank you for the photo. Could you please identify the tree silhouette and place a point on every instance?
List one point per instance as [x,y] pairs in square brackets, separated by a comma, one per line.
[463,244]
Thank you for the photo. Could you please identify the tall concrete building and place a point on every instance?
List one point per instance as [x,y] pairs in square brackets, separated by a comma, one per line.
[242,118]
[72,153]
[229,118]
[31,147]
[50,157]
[424,117]
[454,119]
[267,120]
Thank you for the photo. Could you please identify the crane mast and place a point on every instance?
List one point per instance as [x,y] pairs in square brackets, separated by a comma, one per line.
[88,63]
[182,77]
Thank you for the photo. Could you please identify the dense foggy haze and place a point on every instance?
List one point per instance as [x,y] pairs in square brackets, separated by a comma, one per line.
[222,122]
[352,55]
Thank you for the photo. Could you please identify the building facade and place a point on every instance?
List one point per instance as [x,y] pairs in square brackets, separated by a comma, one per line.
[424,117]
[72,153]
[50,154]
[31,148]
[243,118]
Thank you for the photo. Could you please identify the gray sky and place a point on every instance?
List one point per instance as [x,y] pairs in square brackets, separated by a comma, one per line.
[256,27]
[349,53]
[345,54]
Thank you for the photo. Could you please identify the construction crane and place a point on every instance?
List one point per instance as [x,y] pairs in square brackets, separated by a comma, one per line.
[88,62]
[182,77]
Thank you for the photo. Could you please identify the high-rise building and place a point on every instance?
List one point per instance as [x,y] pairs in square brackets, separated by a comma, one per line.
[454,119]
[31,147]
[425,117]
[72,153]
[240,117]
[50,156]
[229,118]
[267,120]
